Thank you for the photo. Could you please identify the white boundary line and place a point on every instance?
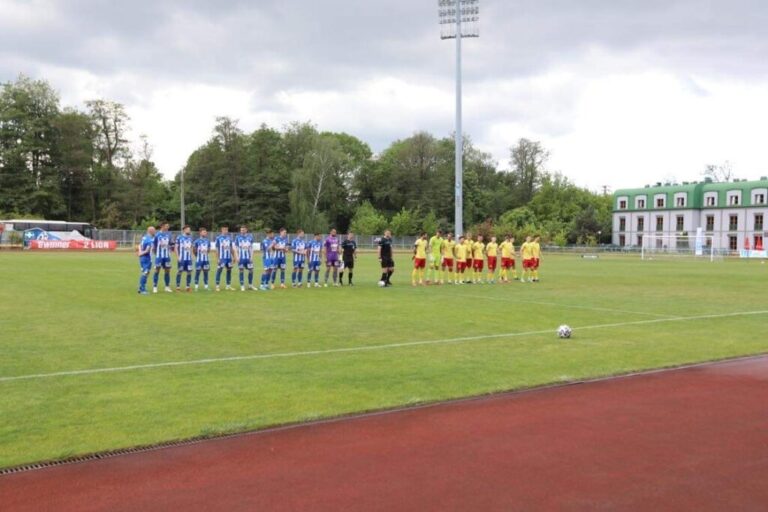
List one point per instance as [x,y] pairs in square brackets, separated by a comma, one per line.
[571,306]
[93,371]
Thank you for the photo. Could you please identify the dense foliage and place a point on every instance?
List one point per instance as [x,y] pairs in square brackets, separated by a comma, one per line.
[63,163]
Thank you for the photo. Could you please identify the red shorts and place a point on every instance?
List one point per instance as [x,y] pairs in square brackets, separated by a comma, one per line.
[419,262]
[507,263]
[491,263]
[528,264]
[448,263]
[461,266]
[477,264]
[536,262]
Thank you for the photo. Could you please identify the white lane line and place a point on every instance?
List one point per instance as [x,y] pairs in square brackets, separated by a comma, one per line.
[366,348]
[571,306]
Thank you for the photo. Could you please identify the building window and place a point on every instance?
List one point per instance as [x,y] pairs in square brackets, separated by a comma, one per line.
[680,201]
[759,199]
[710,200]
[710,223]
[758,221]
[641,203]
[639,240]
[659,202]
[622,224]
[623,204]
[680,223]
[733,243]
[641,223]
[622,240]
[733,200]
[758,243]
[659,223]
[733,222]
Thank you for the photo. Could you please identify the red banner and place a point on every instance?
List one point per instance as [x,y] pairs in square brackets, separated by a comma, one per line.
[73,245]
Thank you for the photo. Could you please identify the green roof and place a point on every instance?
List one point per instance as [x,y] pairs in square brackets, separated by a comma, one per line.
[695,194]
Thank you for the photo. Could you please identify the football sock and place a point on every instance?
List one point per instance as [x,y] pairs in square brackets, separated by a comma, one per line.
[197,276]
[205,277]
[242,278]
[293,277]
[143,282]
[350,277]
[389,275]
[189,279]
[282,276]
[384,276]
[218,276]
[156,278]
[178,279]
[229,276]
[167,279]
[250,278]
[413,276]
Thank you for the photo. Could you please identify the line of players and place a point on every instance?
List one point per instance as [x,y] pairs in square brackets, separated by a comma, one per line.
[195,253]
[463,261]
[449,260]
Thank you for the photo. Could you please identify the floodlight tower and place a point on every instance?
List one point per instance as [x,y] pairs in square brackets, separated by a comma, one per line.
[459,19]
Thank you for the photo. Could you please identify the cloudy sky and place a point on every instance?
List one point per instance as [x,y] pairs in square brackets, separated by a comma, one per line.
[622,92]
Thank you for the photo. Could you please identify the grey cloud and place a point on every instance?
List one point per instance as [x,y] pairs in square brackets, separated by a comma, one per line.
[273,45]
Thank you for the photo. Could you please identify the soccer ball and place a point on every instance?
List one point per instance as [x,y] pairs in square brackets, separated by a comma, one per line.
[382,284]
[564,332]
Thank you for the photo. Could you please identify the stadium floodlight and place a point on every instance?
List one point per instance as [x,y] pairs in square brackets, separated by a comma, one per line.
[459,19]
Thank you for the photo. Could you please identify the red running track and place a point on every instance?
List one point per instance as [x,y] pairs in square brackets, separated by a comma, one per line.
[690,439]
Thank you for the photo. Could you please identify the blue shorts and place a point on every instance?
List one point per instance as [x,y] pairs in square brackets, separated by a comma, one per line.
[298,264]
[280,261]
[243,263]
[163,262]
[203,265]
[314,265]
[146,265]
[268,263]
[185,266]
[225,263]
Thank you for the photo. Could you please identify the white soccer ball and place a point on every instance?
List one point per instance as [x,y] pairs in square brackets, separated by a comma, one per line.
[564,331]
[382,284]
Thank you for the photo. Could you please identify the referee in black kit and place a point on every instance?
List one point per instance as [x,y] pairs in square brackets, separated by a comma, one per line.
[348,257]
[385,256]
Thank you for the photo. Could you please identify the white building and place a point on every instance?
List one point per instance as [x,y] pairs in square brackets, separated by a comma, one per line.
[732,213]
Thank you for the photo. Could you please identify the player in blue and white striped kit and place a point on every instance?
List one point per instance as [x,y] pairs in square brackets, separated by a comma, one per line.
[202,248]
[315,258]
[281,246]
[299,251]
[244,253]
[268,257]
[162,250]
[145,258]
[223,244]
[184,257]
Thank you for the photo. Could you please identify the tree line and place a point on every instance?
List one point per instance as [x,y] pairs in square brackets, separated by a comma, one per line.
[71,164]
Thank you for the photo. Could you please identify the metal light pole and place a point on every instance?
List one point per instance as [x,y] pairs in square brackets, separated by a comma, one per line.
[459,19]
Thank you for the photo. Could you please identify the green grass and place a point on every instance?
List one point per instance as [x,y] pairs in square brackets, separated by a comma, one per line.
[62,312]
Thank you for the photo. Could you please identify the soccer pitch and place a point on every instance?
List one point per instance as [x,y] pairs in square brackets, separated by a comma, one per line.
[88,365]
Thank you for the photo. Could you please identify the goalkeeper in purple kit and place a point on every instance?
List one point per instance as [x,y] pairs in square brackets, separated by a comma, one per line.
[332,257]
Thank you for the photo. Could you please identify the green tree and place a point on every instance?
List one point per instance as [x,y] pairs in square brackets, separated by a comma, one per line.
[28,179]
[404,223]
[528,159]
[367,220]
